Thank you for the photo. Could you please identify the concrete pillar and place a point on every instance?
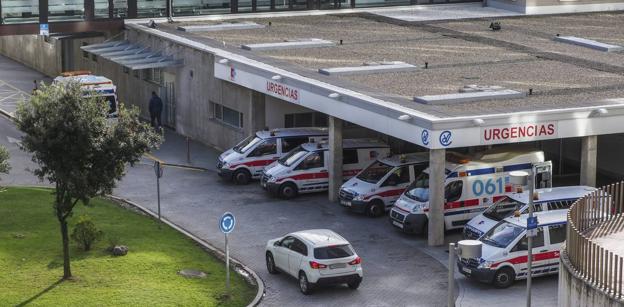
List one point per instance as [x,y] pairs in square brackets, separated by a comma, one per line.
[589,151]
[335,157]
[256,120]
[437,161]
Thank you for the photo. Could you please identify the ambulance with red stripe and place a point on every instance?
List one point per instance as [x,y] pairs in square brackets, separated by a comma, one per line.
[305,169]
[247,159]
[374,190]
[472,184]
[504,249]
[559,198]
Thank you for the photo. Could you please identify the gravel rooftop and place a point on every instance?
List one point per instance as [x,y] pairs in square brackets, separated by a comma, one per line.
[522,56]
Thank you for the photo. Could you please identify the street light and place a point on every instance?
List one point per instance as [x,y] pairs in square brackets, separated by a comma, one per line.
[524,178]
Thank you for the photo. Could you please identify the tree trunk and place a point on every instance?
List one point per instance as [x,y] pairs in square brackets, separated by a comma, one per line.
[66,269]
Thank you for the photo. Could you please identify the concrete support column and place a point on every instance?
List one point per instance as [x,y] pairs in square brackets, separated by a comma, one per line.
[256,120]
[335,157]
[589,152]
[437,161]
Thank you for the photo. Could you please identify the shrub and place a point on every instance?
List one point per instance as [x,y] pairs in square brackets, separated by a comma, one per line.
[85,233]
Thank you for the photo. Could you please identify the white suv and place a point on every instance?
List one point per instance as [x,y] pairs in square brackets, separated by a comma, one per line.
[315,257]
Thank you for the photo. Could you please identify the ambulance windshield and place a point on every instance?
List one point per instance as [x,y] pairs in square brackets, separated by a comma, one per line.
[293,156]
[502,234]
[419,189]
[374,172]
[247,144]
[502,209]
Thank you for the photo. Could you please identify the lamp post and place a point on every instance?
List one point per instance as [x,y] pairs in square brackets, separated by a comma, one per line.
[524,178]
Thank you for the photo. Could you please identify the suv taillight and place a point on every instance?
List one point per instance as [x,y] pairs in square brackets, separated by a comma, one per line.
[357,260]
[316,265]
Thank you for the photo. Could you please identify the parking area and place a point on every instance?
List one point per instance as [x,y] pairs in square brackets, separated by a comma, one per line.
[397,272]
[400,269]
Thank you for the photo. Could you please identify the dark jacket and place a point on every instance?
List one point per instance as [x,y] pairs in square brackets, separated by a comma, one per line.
[155,105]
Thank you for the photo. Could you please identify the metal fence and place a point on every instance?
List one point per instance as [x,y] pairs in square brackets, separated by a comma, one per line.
[595,216]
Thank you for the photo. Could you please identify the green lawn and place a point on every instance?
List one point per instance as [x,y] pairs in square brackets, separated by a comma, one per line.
[31,259]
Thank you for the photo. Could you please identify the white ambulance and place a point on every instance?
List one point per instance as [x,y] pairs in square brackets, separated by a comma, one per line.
[375,189]
[248,158]
[504,250]
[91,84]
[560,198]
[305,169]
[472,184]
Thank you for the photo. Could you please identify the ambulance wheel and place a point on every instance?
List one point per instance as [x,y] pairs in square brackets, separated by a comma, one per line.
[504,278]
[375,208]
[242,176]
[288,190]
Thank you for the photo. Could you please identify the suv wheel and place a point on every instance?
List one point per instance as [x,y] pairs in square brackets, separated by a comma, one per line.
[242,176]
[288,190]
[270,263]
[304,285]
[504,278]
[375,208]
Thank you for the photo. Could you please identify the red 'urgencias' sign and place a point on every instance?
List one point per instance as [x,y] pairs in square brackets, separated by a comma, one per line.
[282,90]
[518,133]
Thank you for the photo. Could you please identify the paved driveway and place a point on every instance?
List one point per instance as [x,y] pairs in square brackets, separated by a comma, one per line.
[397,272]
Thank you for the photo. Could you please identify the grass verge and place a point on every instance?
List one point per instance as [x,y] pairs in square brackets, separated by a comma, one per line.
[31,259]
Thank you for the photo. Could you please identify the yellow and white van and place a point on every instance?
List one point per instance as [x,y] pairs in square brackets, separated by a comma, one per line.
[472,184]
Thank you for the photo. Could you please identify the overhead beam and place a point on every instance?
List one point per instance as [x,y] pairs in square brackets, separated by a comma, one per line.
[64,27]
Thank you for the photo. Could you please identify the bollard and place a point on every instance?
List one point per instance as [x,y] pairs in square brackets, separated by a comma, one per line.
[188,150]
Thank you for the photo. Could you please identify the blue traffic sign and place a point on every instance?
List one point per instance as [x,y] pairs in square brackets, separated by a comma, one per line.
[227,222]
[532,222]
[44,29]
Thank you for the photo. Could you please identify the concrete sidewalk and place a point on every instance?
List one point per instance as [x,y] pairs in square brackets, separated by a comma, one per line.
[176,150]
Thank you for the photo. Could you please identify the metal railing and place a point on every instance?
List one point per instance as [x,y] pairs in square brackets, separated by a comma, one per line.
[595,216]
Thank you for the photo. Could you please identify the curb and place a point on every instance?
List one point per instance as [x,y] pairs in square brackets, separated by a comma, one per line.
[7,114]
[251,277]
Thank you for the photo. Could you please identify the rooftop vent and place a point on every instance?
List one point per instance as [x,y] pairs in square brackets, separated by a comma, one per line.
[369,68]
[588,43]
[471,93]
[221,27]
[291,44]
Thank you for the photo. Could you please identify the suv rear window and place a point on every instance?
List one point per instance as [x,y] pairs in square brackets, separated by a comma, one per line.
[333,252]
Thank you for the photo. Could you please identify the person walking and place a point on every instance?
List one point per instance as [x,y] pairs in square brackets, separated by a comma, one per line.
[155,109]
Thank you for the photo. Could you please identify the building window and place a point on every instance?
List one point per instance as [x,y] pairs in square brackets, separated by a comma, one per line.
[94,57]
[126,70]
[200,7]
[84,53]
[65,10]
[153,75]
[151,8]
[136,73]
[309,119]
[19,11]
[226,115]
